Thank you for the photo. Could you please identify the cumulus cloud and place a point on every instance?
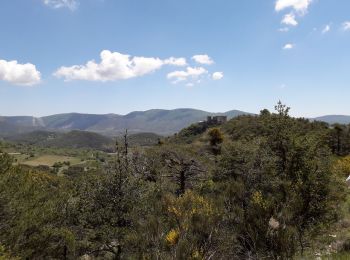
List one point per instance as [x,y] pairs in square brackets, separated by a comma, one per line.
[289,19]
[116,66]
[191,73]
[217,75]
[300,6]
[19,74]
[346,26]
[203,59]
[70,4]
[288,46]
[326,29]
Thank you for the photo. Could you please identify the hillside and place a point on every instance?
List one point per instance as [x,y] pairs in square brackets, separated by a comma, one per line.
[80,139]
[143,139]
[38,137]
[7,128]
[332,119]
[202,178]
[73,139]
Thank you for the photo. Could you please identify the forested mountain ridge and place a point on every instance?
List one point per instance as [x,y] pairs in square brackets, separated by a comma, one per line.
[158,121]
[334,119]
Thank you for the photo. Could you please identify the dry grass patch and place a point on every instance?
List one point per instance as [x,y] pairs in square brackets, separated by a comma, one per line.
[50,160]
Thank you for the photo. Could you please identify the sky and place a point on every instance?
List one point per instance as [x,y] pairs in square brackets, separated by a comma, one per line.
[118,56]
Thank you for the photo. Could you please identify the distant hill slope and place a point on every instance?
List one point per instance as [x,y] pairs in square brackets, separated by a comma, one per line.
[158,121]
[73,139]
[142,139]
[75,121]
[33,138]
[81,139]
[332,119]
[9,126]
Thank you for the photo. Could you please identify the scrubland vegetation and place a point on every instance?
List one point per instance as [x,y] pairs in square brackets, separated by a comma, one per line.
[258,187]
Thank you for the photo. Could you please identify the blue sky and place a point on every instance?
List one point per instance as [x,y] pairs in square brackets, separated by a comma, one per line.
[117,56]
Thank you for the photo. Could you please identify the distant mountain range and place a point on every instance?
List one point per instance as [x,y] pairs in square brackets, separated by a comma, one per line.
[158,121]
[333,119]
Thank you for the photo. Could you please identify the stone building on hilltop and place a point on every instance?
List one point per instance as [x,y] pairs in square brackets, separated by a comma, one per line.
[216,120]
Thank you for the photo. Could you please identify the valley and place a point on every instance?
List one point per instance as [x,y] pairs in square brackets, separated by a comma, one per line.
[182,177]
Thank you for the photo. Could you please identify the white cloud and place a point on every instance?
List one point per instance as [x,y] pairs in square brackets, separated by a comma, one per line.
[288,46]
[176,61]
[284,29]
[188,74]
[217,75]
[346,26]
[300,6]
[70,4]
[203,59]
[326,29]
[19,74]
[116,66]
[289,19]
